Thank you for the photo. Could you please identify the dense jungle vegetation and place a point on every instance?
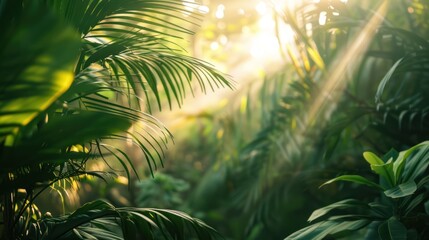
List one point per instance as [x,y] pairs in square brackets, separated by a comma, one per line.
[283,119]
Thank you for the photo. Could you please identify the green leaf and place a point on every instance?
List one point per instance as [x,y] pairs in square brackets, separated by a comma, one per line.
[412,234]
[413,203]
[399,165]
[385,171]
[413,163]
[392,229]
[392,154]
[320,230]
[386,80]
[309,232]
[105,51]
[402,190]
[94,205]
[38,68]
[427,207]
[78,128]
[102,220]
[356,179]
[372,159]
[344,204]
[129,229]
[417,162]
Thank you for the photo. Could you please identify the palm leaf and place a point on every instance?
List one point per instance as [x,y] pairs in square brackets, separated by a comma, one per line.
[131,39]
[59,119]
[124,223]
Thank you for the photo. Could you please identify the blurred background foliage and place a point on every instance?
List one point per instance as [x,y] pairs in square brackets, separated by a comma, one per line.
[255,157]
[317,83]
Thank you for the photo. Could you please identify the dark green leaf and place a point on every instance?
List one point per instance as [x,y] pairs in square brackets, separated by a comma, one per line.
[344,204]
[392,229]
[37,70]
[386,80]
[356,179]
[402,190]
[322,229]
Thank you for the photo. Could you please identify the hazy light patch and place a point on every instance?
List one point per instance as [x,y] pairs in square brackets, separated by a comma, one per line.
[220,11]
[266,22]
[223,39]
[214,46]
[245,30]
[309,29]
[286,34]
[264,47]
[322,18]
[221,25]
[261,8]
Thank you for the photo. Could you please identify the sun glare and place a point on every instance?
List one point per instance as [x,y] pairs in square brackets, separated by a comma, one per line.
[189,6]
[261,8]
[242,38]
[220,11]
[322,18]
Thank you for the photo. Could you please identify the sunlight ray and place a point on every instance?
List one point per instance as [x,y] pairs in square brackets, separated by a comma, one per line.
[348,60]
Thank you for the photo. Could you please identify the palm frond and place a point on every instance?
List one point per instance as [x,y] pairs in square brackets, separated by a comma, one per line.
[101,220]
[134,40]
[53,121]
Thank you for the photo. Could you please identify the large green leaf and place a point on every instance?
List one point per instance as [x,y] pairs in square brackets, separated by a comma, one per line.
[386,80]
[80,127]
[392,229]
[344,204]
[372,159]
[37,69]
[322,229]
[414,165]
[386,172]
[356,179]
[417,162]
[427,207]
[402,190]
[384,169]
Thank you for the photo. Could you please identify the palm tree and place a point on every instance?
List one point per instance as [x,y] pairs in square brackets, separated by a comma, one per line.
[76,75]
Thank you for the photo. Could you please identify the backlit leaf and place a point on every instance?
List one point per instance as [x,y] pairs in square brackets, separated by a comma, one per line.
[402,190]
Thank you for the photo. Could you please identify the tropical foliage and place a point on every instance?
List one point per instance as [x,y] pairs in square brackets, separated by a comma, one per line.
[76,75]
[81,80]
[356,81]
[400,211]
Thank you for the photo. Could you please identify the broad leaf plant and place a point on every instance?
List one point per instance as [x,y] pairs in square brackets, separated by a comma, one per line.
[400,212]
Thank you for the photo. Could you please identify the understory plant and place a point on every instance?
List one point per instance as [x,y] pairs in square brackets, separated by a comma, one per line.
[401,210]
